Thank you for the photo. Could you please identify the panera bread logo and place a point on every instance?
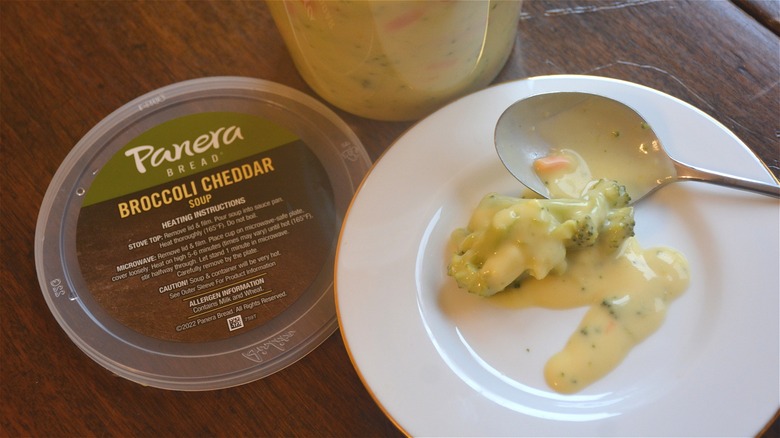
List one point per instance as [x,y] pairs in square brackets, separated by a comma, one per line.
[258,354]
[147,155]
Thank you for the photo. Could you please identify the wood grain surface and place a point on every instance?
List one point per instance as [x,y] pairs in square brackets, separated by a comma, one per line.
[766,12]
[65,65]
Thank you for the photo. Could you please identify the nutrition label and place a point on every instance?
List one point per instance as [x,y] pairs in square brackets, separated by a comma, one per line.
[215,252]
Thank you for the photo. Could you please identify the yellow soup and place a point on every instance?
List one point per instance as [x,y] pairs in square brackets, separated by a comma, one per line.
[396,60]
[566,253]
[627,293]
[604,141]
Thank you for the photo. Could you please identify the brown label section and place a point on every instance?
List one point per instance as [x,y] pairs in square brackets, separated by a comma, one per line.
[214,254]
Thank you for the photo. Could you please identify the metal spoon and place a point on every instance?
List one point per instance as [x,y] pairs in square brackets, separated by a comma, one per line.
[621,144]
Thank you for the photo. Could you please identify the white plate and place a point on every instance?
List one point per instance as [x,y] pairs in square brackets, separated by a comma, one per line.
[441,362]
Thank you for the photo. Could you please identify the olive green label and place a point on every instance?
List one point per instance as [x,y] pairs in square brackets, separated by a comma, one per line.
[184,146]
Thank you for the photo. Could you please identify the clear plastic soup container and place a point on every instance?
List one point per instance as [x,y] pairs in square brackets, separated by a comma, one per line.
[397,60]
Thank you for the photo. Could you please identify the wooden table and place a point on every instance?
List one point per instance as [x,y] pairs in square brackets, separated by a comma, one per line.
[68,64]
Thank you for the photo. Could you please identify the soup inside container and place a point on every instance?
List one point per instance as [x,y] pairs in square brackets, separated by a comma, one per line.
[187,241]
[397,60]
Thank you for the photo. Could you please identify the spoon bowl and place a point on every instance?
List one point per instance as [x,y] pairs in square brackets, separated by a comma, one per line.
[612,139]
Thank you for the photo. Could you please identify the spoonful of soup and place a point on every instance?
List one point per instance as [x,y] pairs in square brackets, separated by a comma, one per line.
[557,143]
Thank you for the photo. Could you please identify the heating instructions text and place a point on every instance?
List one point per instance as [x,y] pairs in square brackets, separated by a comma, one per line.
[210,260]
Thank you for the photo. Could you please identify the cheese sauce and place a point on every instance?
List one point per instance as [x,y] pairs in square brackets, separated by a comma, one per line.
[627,292]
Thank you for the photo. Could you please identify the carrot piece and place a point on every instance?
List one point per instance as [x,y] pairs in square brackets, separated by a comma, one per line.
[552,163]
[405,19]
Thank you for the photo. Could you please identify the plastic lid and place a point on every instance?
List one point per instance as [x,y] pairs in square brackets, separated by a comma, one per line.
[187,241]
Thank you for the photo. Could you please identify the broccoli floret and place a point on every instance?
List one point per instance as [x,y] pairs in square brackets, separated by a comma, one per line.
[604,205]
[618,227]
[615,194]
[509,238]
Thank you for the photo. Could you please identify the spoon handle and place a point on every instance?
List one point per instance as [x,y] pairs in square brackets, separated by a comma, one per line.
[686,172]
